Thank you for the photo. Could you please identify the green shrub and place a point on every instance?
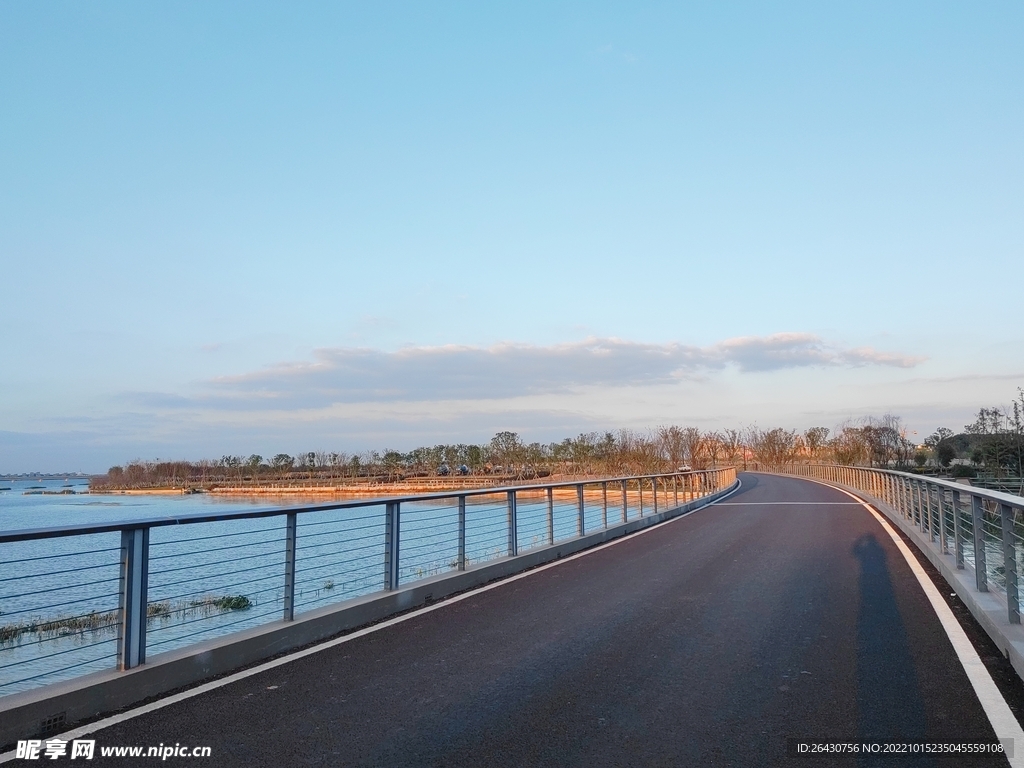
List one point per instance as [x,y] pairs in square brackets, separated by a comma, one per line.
[233,603]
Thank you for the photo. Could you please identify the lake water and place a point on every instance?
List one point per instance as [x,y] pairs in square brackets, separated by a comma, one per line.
[59,597]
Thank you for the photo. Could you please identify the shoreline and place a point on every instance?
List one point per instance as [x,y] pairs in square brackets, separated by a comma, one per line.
[384,489]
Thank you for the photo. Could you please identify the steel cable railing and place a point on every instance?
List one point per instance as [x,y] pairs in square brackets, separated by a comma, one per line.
[72,601]
[980,530]
[58,621]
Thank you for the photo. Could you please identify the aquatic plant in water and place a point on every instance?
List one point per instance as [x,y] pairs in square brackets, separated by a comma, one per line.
[61,626]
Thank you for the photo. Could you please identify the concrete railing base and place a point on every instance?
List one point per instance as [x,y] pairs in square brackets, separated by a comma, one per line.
[57,707]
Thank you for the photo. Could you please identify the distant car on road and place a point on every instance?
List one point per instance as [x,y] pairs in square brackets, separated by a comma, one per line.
[685,468]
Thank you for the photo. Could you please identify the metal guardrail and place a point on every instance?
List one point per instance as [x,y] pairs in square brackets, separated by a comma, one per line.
[83,598]
[982,530]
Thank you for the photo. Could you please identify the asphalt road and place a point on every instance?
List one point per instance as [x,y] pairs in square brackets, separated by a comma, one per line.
[784,612]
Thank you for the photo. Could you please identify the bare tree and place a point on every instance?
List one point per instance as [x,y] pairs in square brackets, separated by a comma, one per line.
[775,448]
[673,446]
[712,447]
[815,439]
[732,443]
[849,445]
[693,446]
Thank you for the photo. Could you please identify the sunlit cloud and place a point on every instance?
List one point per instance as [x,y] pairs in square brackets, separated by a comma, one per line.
[796,350]
[508,370]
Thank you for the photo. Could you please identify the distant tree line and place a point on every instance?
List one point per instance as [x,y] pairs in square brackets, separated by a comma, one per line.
[994,441]
[507,455]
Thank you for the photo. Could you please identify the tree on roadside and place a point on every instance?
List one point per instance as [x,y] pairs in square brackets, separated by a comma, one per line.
[694,447]
[815,439]
[673,445]
[775,448]
[998,438]
[732,445]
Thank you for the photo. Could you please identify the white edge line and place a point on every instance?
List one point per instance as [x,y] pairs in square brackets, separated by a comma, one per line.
[76,733]
[996,709]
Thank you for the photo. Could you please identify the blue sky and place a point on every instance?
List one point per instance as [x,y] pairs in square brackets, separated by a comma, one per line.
[243,227]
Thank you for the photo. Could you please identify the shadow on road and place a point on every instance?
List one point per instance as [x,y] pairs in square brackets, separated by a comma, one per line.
[888,696]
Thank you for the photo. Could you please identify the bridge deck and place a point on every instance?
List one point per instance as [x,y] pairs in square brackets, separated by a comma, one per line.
[786,611]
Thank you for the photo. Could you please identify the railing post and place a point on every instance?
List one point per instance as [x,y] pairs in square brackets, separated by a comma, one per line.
[133,600]
[933,511]
[675,490]
[1009,563]
[291,530]
[654,492]
[579,510]
[943,538]
[958,536]
[915,503]
[926,513]
[915,494]
[625,500]
[640,493]
[513,525]
[926,488]
[462,533]
[392,530]
[980,567]
[926,510]
[551,515]
[604,505]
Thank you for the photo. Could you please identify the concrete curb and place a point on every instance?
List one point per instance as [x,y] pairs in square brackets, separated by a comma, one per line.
[54,708]
[988,608]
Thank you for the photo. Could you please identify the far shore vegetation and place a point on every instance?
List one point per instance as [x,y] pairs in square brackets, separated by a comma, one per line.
[991,446]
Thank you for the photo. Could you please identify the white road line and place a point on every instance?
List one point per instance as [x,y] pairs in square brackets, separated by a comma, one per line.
[77,733]
[786,503]
[996,709]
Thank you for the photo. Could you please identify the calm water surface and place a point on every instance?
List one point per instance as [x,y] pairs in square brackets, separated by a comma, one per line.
[58,597]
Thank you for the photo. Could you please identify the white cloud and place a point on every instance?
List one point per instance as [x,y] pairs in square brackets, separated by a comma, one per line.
[509,370]
[797,350]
